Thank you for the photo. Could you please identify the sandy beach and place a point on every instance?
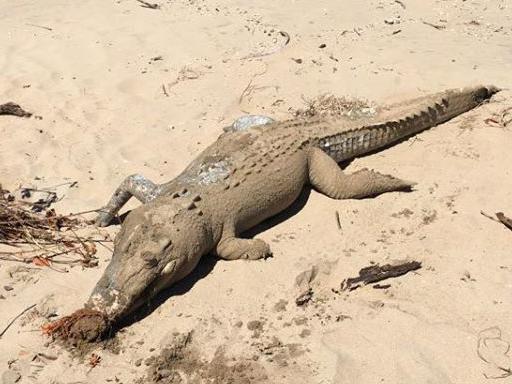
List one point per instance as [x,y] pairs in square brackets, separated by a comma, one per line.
[121,87]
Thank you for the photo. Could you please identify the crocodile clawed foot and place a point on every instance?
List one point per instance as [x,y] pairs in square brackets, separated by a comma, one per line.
[103,219]
[249,249]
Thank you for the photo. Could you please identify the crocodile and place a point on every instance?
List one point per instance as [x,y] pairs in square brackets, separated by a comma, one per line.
[246,176]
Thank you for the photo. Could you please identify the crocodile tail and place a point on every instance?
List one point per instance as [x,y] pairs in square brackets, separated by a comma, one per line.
[431,111]
[457,101]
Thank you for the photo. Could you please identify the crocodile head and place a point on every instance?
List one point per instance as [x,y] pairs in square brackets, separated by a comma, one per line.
[159,243]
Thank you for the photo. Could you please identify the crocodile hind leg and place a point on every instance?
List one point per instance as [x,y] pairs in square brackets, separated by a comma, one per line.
[138,186]
[328,178]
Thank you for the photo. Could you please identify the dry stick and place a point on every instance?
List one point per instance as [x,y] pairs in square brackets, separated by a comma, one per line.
[436,26]
[165,90]
[145,4]
[338,222]
[40,26]
[377,273]
[504,220]
[84,212]
[55,242]
[501,218]
[104,246]
[242,95]
[16,318]
[401,3]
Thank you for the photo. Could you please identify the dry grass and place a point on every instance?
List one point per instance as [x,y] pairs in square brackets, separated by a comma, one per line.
[44,238]
[330,106]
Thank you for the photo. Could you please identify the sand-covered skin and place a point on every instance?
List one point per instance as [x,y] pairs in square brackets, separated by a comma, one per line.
[122,89]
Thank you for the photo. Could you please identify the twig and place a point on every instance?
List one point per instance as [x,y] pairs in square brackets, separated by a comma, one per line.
[246,89]
[504,220]
[500,218]
[39,26]
[489,217]
[401,3]
[164,90]
[338,222]
[145,4]
[377,273]
[84,212]
[16,318]
[436,26]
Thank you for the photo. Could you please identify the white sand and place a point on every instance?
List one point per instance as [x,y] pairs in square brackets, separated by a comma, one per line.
[104,116]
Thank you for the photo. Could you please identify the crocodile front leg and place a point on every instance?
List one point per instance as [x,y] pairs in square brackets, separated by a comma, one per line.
[235,248]
[138,186]
[328,178]
[231,247]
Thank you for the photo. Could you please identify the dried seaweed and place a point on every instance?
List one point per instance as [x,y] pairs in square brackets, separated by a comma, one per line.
[377,273]
[43,238]
[13,109]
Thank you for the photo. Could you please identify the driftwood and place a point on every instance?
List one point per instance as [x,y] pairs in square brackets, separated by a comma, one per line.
[500,218]
[13,110]
[377,273]
[507,222]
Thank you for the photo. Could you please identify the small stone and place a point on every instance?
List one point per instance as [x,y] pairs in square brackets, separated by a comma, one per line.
[8,288]
[321,46]
[10,377]
[164,373]
[138,363]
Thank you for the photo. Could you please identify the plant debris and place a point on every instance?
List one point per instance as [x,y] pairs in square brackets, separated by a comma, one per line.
[145,4]
[377,273]
[13,109]
[43,238]
[436,26]
[304,297]
[16,318]
[500,218]
[84,325]
[507,222]
[94,360]
[501,120]
[330,106]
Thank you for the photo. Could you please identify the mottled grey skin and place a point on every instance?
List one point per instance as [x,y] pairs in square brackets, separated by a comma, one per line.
[245,177]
